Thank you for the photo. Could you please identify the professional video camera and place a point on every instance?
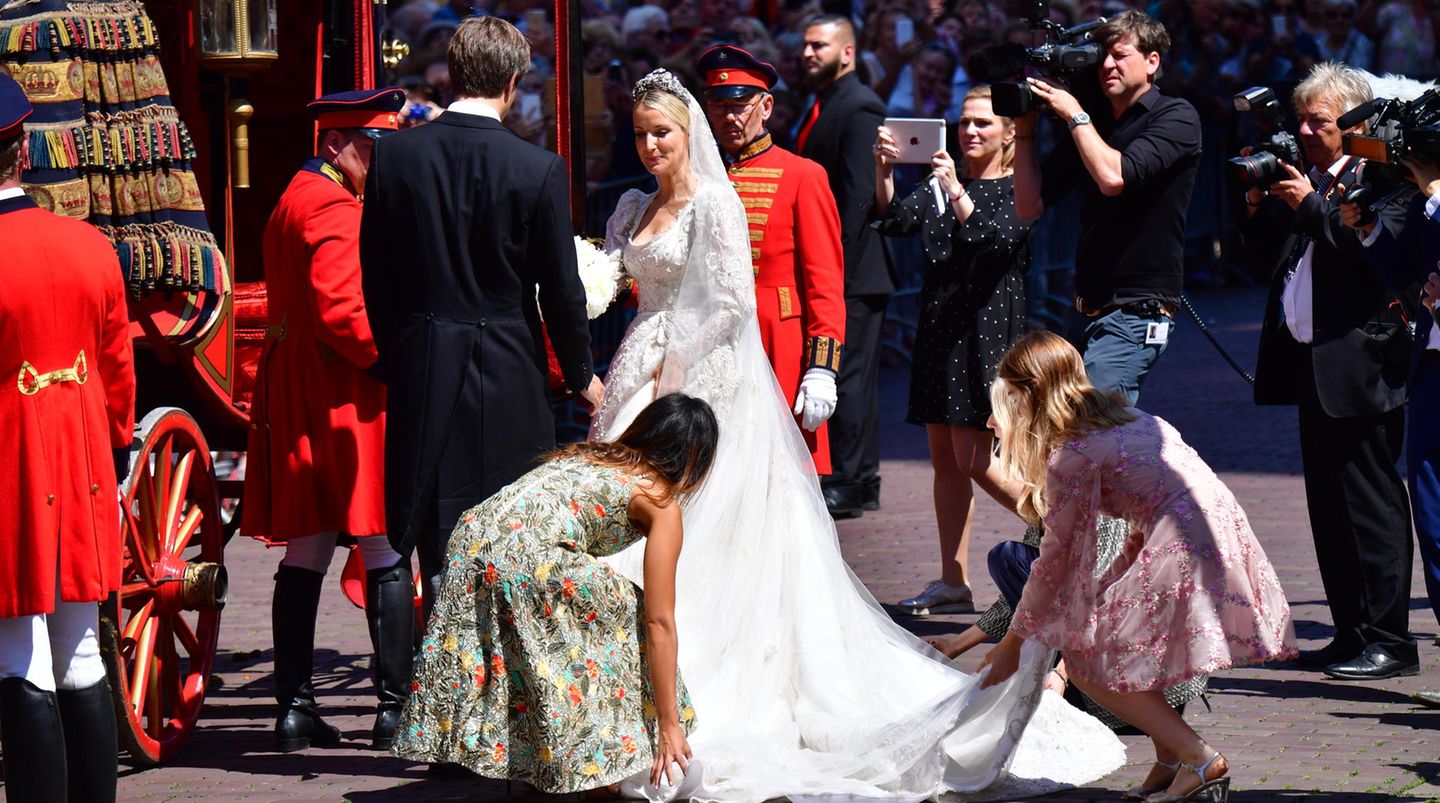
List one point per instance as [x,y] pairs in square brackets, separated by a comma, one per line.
[1262,167]
[1067,53]
[1401,128]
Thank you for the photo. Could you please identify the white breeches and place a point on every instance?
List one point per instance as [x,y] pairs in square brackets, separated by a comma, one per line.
[54,649]
[313,552]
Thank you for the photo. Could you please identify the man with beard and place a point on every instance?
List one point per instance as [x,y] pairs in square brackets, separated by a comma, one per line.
[794,239]
[838,131]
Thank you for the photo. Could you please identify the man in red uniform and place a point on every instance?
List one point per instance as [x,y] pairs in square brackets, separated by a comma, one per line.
[68,400]
[794,239]
[317,437]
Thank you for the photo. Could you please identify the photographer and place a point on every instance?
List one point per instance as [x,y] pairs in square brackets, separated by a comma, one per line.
[1135,163]
[1335,345]
[1406,259]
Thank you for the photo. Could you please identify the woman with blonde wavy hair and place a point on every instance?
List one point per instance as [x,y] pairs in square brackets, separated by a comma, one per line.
[1191,592]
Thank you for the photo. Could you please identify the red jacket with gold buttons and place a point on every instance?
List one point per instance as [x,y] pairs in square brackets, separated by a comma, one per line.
[799,267]
[67,397]
[316,459]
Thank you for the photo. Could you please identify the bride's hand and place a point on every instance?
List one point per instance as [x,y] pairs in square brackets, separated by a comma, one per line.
[672,749]
[669,376]
[594,394]
[1002,660]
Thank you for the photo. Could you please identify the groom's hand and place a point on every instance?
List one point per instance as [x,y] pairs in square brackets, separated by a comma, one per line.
[594,394]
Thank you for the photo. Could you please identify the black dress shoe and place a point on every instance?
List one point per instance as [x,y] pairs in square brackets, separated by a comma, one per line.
[1372,664]
[843,501]
[1429,699]
[1327,655]
[870,495]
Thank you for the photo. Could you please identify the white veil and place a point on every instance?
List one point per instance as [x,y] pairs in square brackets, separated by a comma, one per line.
[802,685]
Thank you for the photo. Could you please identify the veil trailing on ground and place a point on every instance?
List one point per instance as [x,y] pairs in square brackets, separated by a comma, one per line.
[802,685]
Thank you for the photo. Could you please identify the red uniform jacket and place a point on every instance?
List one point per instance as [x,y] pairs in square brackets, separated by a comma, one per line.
[799,268]
[67,397]
[317,427]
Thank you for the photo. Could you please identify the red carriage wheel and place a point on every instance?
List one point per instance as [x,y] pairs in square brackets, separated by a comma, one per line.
[158,633]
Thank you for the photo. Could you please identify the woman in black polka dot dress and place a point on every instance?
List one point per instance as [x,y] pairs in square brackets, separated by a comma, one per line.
[972,309]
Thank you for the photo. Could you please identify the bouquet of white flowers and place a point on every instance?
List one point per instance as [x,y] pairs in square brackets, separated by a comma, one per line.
[600,273]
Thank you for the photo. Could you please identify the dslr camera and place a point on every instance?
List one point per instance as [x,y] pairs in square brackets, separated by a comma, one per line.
[1262,167]
[1066,53]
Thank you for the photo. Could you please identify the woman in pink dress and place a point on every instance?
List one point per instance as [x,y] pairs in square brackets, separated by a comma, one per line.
[1192,591]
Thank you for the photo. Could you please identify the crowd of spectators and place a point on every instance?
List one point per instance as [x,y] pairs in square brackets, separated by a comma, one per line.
[913,53]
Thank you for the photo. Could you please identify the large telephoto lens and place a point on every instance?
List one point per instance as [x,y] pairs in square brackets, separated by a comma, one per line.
[1256,170]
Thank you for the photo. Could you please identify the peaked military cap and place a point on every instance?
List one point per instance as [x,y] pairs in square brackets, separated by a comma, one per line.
[732,73]
[374,112]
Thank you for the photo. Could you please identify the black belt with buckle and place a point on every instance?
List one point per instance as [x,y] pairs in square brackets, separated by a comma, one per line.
[1149,307]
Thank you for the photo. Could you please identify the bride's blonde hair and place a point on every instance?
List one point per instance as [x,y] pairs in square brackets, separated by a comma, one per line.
[1042,398]
[667,103]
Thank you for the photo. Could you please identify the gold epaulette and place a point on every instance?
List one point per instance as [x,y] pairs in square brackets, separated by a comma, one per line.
[823,352]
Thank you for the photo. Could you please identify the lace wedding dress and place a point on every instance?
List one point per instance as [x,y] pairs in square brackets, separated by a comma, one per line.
[803,687]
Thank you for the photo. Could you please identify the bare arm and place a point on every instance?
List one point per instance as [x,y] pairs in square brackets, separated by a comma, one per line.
[1028,203]
[1102,162]
[886,151]
[664,534]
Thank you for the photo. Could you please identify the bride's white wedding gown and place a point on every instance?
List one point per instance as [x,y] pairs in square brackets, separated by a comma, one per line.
[802,685]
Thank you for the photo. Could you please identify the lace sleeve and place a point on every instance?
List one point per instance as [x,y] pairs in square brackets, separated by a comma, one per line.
[617,228]
[717,292]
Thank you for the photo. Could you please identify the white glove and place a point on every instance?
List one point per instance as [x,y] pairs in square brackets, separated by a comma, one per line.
[817,398]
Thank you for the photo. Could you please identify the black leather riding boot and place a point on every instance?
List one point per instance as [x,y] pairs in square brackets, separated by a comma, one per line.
[91,746]
[292,617]
[390,610]
[34,743]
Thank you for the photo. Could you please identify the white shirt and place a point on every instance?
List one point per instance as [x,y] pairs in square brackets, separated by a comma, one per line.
[474,106]
[1297,300]
[13,192]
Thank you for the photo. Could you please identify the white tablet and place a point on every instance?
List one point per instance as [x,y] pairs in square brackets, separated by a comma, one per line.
[918,138]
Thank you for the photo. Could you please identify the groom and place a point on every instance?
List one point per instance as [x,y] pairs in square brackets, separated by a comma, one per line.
[462,221]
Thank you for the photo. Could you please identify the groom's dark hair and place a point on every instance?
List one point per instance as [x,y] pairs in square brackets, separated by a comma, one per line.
[485,53]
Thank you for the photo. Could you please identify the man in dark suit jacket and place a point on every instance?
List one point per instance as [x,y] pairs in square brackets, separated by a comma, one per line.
[838,131]
[1334,343]
[462,221]
[1405,260]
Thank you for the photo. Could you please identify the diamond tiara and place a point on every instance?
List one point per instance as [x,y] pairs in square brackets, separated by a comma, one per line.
[661,79]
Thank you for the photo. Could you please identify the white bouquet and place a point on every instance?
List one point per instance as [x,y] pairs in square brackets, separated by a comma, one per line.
[600,274]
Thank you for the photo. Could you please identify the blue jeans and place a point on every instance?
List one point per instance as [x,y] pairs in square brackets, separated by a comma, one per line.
[1116,355]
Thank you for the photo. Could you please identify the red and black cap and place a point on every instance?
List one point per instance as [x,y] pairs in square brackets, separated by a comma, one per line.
[14,108]
[733,73]
[373,112]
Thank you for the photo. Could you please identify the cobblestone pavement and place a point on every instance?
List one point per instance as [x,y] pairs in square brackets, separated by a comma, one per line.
[1289,735]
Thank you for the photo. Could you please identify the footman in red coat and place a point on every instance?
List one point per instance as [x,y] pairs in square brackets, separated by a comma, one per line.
[317,437]
[67,399]
[794,240]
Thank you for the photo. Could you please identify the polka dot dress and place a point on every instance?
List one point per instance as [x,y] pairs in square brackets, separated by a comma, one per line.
[972,304]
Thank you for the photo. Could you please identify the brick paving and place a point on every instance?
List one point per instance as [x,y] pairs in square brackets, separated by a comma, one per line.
[1289,735]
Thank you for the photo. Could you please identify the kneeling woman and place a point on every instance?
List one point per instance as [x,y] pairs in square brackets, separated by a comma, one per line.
[1191,592]
[540,663]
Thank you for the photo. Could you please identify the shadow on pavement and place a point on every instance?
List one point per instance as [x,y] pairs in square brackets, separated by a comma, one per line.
[1295,688]
[474,788]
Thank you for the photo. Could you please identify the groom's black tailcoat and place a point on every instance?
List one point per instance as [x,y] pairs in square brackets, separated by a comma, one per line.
[462,221]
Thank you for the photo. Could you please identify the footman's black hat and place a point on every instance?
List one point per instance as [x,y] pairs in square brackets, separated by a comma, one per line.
[733,73]
[372,112]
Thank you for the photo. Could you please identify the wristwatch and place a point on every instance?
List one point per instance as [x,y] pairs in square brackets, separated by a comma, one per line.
[1080,118]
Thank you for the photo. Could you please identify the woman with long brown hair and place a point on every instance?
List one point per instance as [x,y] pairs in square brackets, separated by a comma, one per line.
[972,308]
[540,663]
[1191,592]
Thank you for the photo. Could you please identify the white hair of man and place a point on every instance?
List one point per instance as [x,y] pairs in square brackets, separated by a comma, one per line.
[1337,85]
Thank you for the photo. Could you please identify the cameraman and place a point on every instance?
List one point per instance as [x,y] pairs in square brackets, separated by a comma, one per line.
[1335,345]
[1139,157]
[1406,259]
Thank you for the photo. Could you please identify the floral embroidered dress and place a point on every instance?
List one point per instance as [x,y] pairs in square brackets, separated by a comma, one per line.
[1191,592]
[533,665]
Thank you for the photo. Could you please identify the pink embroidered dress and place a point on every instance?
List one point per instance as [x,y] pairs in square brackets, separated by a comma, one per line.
[1191,591]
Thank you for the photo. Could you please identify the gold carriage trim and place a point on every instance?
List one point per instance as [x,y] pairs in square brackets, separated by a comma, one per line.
[823,352]
[32,381]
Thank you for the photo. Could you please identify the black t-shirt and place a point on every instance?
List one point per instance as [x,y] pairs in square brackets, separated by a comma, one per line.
[1132,245]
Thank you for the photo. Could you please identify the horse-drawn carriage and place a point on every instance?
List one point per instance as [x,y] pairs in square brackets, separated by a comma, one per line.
[238,74]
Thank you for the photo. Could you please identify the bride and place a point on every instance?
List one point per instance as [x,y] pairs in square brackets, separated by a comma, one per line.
[802,685]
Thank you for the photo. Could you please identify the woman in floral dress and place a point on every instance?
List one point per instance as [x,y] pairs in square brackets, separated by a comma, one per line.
[1191,592]
[540,663]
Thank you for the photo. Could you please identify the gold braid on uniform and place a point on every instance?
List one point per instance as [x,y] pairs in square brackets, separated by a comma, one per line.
[823,352]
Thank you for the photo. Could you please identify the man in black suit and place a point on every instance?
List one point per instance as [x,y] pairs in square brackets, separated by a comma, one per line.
[462,221]
[838,131]
[1334,343]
